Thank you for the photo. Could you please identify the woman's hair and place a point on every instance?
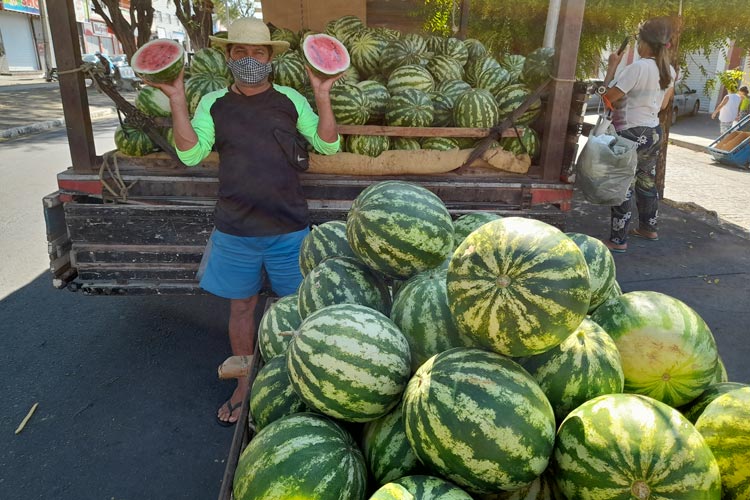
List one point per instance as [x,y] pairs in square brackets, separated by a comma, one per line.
[744,90]
[656,33]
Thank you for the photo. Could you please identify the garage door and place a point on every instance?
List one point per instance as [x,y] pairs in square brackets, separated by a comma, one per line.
[20,50]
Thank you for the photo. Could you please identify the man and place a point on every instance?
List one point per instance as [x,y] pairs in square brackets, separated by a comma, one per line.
[261,215]
[727,111]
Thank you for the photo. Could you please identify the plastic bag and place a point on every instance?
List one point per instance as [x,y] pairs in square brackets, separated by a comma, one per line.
[606,166]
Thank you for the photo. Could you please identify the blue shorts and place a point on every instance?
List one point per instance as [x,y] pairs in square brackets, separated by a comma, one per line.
[231,266]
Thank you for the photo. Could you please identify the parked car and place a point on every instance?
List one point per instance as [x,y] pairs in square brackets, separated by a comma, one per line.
[122,74]
[686,101]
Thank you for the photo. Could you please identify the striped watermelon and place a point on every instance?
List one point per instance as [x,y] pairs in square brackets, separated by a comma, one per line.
[720,375]
[541,488]
[349,362]
[511,97]
[323,241]
[475,49]
[444,68]
[272,396]
[342,280]
[695,408]
[591,365]
[518,286]
[377,99]
[286,35]
[399,229]
[537,68]
[389,34]
[435,43]
[199,85]
[476,67]
[513,63]
[351,76]
[420,487]
[633,447]
[468,223]
[479,419]
[301,456]
[725,425]
[405,143]
[476,108]
[349,104]
[400,53]
[420,309]
[667,350]
[440,143]
[601,264]
[282,317]
[369,145]
[442,106]
[493,80]
[210,61]
[344,27]
[289,70]
[409,108]
[410,76]
[153,102]
[386,449]
[132,141]
[455,49]
[365,53]
[452,88]
[416,41]
[528,143]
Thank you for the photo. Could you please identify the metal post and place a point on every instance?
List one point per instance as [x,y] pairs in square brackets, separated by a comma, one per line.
[553,17]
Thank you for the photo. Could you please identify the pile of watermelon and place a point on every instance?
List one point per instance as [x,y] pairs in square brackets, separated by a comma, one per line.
[208,72]
[410,80]
[483,357]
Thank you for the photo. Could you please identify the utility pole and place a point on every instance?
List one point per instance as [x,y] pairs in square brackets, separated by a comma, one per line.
[48,63]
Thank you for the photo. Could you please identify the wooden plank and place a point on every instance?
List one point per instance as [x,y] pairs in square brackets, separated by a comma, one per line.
[64,31]
[420,131]
[136,254]
[561,92]
[137,288]
[124,276]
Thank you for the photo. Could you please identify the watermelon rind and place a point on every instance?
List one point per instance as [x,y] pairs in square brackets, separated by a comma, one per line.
[320,459]
[281,318]
[132,141]
[210,61]
[634,447]
[420,487]
[601,265]
[325,54]
[272,395]
[199,85]
[153,102]
[468,223]
[323,241]
[695,408]
[166,69]
[387,451]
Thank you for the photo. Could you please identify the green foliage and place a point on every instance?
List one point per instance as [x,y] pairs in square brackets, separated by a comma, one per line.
[729,79]
[504,26]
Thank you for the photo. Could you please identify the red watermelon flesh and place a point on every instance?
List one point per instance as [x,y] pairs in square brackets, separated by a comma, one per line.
[325,54]
[159,61]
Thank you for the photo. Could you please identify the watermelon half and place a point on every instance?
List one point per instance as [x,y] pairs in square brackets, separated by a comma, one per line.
[325,54]
[159,61]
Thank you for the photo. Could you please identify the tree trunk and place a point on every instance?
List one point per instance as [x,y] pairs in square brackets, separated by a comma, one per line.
[195,16]
[666,115]
[141,17]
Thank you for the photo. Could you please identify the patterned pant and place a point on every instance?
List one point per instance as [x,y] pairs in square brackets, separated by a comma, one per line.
[643,187]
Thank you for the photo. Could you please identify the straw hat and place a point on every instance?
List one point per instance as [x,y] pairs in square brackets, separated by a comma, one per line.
[250,31]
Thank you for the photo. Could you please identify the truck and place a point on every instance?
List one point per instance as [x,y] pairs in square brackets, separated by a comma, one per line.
[139,225]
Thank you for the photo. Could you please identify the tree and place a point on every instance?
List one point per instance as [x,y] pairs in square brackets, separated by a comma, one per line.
[229,10]
[196,17]
[141,16]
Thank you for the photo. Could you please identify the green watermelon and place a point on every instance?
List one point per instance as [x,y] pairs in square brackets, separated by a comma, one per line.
[452,88]
[476,109]
[365,53]
[159,61]
[454,49]
[541,488]
[377,99]
[493,80]
[272,396]
[720,375]
[386,449]
[695,408]
[324,240]
[601,264]
[369,145]
[400,53]
[475,49]
[133,141]
[289,70]
[410,76]
[479,419]
[286,35]
[153,102]
[301,456]
[513,64]
[476,67]
[468,223]
[349,362]
[399,229]
[518,286]
[281,317]
[725,425]
[537,68]
[405,143]
[667,350]
[633,447]
[591,365]
[211,61]
[342,280]
[199,85]
[420,309]
[528,143]
[442,106]
[420,487]
[444,68]
[349,105]
[440,143]
[344,27]
[511,97]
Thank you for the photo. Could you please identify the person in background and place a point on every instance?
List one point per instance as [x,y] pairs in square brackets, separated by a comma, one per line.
[744,109]
[636,96]
[261,215]
[727,111]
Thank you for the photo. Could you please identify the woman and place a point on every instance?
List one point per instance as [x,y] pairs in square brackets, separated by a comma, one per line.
[636,96]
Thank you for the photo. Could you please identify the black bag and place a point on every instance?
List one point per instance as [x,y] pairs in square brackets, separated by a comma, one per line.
[294,147]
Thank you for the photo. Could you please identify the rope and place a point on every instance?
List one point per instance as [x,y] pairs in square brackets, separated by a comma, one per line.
[563,80]
[85,67]
[120,192]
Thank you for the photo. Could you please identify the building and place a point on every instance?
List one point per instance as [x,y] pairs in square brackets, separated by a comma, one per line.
[21,38]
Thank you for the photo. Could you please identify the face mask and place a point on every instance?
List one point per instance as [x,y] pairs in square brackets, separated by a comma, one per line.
[248,70]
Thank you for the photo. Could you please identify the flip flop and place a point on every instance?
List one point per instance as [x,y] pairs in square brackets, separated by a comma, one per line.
[638,234]
[609,244]
[228,423]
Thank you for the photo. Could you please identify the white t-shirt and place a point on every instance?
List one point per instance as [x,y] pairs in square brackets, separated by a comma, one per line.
[729,112]
[640,105]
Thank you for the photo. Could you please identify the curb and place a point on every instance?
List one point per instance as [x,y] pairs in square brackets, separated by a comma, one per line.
[11,133]
[687,145]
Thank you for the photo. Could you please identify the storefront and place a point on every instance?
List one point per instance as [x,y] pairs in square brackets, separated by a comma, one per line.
[20,35]
[99,38]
